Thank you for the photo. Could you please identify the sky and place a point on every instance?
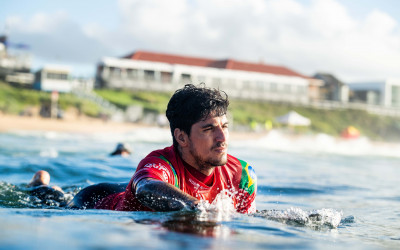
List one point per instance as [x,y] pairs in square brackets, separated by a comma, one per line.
[355,40]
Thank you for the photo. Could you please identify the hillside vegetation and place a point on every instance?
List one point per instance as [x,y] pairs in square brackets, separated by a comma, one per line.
[16,100]
[245,114]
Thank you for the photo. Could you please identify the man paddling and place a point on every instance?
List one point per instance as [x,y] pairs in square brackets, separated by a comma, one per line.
[196,167]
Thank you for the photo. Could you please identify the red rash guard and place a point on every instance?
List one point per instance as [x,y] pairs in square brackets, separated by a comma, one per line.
[166,165]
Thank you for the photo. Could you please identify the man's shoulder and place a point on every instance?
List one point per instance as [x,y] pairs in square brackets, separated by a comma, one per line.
[166,152]
[236,162]
[248,177]
[161,157]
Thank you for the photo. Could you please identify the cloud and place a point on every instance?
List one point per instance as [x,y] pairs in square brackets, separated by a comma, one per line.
[322,36]
[56,37]
[319,36]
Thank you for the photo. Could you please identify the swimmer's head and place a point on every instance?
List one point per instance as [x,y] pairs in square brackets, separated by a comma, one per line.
[122,149]
[40,178]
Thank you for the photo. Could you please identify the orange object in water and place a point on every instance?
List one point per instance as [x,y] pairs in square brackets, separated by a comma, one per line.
[350,133]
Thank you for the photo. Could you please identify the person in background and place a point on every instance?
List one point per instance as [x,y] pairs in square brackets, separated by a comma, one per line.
[122,149]
[197,167]
[39,187]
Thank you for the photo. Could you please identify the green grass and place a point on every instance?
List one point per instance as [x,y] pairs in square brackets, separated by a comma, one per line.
[14,100]
[150,101]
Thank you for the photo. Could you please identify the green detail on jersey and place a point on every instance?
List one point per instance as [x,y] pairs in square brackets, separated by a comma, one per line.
[172,168]
[248,180]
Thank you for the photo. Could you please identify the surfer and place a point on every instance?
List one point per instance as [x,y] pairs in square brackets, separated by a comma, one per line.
[39,187]
[122,149]
[196,167]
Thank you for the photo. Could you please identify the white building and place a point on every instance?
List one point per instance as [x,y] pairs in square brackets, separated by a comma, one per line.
[386,93]
[15,68]
[58,78]
[164,72]
[53,78]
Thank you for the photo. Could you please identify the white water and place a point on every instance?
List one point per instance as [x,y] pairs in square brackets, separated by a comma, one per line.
[323,143]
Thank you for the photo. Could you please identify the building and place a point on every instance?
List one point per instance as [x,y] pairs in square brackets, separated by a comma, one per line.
[53,78]
[165,72]
[58,78]
[385,93]
[333,89]
[15,68]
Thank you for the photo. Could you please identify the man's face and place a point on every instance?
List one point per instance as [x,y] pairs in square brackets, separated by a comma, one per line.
[208,141]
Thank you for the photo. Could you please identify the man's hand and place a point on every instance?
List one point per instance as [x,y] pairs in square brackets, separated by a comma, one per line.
[162,196]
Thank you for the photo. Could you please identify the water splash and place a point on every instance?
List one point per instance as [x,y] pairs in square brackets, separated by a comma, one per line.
[221,209]
[206,220]
[19,196]
[317,219]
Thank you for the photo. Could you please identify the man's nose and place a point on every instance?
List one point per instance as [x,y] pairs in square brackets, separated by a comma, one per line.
[221,134]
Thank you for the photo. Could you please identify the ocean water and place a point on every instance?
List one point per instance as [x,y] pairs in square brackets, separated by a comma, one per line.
[314,192]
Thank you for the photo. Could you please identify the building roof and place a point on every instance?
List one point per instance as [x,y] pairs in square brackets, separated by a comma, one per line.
[221,64]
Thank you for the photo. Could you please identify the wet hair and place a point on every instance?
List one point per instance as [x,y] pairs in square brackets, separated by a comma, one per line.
[121,147]
[191,104]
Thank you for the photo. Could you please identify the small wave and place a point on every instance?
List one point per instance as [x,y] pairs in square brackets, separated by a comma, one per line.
[322,143]
[308,190]
[316,219]
[288,190]
[145,134]
[50,153]
[348,220]
[19,196]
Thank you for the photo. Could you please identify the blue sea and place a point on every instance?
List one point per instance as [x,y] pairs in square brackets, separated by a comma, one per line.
[314,192]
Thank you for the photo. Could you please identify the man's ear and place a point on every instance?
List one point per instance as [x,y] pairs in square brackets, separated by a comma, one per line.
[181,137]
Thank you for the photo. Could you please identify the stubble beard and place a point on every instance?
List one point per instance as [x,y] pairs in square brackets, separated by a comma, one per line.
[205,164]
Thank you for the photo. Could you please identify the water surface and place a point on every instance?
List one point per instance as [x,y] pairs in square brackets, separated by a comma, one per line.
[351,185]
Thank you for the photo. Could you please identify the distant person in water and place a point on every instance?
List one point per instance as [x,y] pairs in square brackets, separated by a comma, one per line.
[196,167]
[39,187]
[122,149]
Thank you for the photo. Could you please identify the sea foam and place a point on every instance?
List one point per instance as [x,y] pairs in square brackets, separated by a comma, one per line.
[317,219]
[321,143]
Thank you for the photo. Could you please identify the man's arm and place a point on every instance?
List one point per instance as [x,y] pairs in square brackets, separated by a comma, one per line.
[162,196]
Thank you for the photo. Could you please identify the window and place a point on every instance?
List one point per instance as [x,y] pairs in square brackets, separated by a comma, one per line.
[287,88]
[56,76]
[259,85]
[132,73]
[301,89]
[166,77]
[115,72]
[186,78]
[149,75]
